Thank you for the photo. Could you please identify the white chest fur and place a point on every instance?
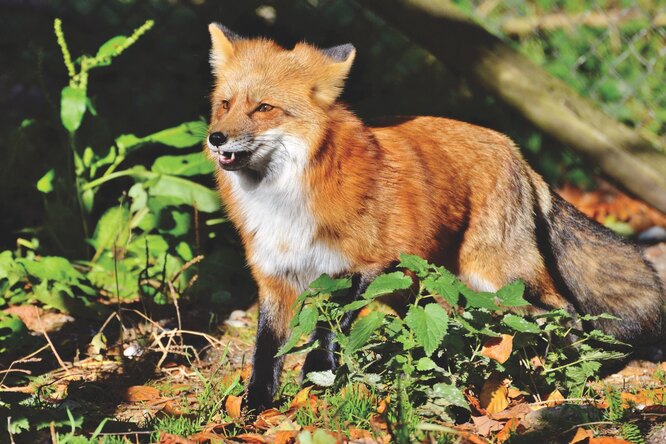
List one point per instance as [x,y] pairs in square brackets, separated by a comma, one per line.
[278,214]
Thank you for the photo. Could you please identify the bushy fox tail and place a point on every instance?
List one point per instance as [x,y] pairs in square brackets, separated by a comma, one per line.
[603,273]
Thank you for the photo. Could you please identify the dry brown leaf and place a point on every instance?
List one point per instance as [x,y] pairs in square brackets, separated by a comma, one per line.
[509,428]
[39,320]
[167,438]
[141,393]
[657,409]
[607,440]
[251,438]
[474,402]
[173,409]
[498,348]
[494,395]
[517,411]
[233,406]
[285,436]
[356,433]
[485,426]
[269,418]
[381,408]
[246,373]
[554,398]
[470,438]
[581,435]
[302,398]
[206,437]
[644,397]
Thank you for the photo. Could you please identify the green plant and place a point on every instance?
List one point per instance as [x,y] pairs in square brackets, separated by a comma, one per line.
[423,361]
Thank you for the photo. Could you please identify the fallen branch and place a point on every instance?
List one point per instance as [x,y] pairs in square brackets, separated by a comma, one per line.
[621,153]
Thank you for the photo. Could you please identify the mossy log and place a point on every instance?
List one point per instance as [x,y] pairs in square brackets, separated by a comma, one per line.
[623,154]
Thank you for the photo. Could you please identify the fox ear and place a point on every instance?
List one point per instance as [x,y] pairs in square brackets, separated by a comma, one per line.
[223,40]
[329,86]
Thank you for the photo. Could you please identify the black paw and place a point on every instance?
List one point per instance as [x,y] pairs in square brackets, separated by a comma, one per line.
[318,361]
[257,399]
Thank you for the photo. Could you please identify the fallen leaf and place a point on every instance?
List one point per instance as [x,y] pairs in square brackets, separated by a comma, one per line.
[246,373]
[285,436]
[167,438]
[251,438]
[233,406]
[381,408]
[509,428]
[607,440]
[581,435]
[514,393]
[554,398]
[205,437]
[173,409]
[356,433]
[302,398]
[494,394]
[473,402]
[39,320]
[269,418]
[470,438]
[658,408]
[498,348]
[517,411]
[484,425]
[141,393]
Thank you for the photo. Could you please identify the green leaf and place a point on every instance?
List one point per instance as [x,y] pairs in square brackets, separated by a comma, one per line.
[363,329]
[326,284]
[296,334]
[520,324]
[185,165]
[181,136]
[450,394]
[429,325]
[307,319]
[416,264]
[112,228]
[511,295]
[479,300]
[187,192]
[356,305]
[387,283]
[425,363]
[109,48]
[45,184]
[445,286]
[72,107]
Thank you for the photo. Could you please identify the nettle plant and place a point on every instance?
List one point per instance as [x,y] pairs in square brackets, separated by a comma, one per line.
[141,242]
[427,359]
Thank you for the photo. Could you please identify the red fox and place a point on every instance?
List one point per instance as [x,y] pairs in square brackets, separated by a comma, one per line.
[313,190]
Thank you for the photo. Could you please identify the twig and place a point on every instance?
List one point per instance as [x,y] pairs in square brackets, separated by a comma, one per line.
[9,429]
[560,401]
[28,358]
[54,438]
[53,349]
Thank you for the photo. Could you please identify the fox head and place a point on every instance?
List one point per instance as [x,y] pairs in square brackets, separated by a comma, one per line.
[269,104]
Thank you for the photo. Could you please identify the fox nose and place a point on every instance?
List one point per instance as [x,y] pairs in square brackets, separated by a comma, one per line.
[217,139]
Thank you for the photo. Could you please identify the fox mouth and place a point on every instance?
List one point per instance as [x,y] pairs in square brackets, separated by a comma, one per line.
[234,160]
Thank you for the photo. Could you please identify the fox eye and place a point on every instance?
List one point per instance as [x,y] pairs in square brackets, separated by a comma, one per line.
[264,108]
[225,104]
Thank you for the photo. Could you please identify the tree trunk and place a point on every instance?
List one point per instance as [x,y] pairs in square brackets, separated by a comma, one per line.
[623,154]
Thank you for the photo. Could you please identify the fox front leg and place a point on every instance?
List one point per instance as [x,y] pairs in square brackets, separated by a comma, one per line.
[266,367]
[324,357]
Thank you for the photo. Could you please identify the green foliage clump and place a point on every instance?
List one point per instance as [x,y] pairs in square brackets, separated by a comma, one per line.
[425,360]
